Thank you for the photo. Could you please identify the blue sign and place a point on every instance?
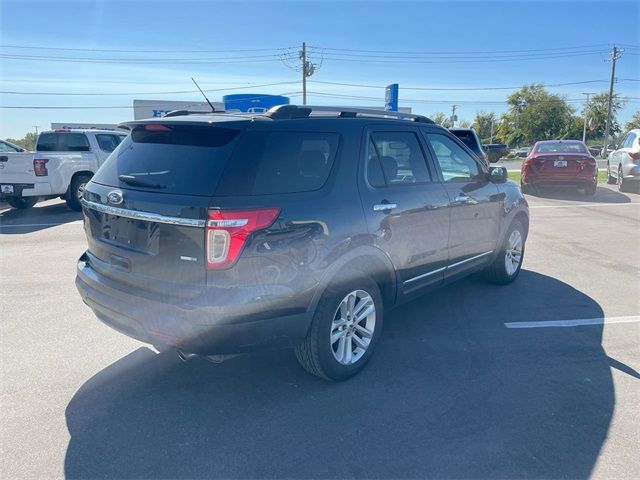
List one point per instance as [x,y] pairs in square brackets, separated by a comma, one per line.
[391,97]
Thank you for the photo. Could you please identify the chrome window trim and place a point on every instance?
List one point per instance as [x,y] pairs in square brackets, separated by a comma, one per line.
[146,216]
[448,267]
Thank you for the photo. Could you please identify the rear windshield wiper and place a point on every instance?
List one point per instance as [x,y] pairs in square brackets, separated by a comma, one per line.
[131,180]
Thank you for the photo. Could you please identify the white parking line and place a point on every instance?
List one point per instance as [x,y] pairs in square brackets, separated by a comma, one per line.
[40,224]
[574,323]
[583,205]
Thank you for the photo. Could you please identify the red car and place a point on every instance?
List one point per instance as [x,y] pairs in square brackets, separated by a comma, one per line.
[559,163]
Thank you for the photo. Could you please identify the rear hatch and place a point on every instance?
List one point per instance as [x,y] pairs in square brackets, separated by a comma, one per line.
[146,208]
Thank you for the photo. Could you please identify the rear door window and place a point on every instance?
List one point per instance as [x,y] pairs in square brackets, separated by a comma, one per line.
[177,159]
[108,142]
[63,142]
[395,158]
[266,163]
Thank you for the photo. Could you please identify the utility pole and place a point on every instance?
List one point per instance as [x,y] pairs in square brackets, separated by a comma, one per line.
[615,55]
[586,114]
[453,115]
[36,127]
[491,138]
[303,57]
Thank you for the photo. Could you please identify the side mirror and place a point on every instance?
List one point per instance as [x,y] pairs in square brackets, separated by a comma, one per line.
[498,174]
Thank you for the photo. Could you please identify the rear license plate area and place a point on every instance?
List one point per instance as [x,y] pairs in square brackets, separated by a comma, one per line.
[136,234]
[560,164]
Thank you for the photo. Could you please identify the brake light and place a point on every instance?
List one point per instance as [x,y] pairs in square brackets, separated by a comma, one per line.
[228,231]
[39,167]
[154,127]
[635,155]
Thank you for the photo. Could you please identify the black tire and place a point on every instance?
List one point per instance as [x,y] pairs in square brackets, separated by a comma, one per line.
[590,190]
[315,353]
[497,272]
[75,191]
[528,189]
[623,185]
[22,203]
[610,180]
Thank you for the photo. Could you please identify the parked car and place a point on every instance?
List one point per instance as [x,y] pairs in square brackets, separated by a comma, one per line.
[64,161]
[559,163]
[523,152]
[595,150]
[470,138]
[8,147]
[623,164]
[221,234]
[495,151]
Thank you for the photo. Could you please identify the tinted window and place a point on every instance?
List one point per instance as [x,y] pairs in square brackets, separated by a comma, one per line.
[279,162]
[628,142]
[469,139]
[456,164]
[63,142]
[395,158]
[107,142]
[561,147]
[177,159]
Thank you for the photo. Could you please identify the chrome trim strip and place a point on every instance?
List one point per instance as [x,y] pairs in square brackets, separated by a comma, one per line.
[146,216]
[424,275]
[448,267]
[457,264]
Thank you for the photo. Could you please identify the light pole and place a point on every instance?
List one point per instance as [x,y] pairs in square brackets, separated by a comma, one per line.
[586,114]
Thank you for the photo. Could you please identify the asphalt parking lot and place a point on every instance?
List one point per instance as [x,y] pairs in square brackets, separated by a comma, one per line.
[538,379]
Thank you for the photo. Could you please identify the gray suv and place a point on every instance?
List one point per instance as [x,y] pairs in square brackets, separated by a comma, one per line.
[218,234]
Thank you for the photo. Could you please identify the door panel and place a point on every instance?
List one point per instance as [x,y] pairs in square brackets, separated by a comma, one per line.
[414,229]
[475,203]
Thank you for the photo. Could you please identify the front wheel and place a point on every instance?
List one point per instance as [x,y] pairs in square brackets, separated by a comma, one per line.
[22,203]
[506,266]
[345,328]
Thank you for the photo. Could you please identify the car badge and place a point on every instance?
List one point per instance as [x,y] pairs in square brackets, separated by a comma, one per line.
[114,197]
[560,157]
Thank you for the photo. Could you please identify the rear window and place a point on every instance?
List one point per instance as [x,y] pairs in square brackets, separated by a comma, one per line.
[179,159]
[63,142]
[267,163]
[468,139]
[560,147]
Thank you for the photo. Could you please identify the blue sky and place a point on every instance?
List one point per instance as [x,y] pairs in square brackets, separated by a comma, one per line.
[504,30]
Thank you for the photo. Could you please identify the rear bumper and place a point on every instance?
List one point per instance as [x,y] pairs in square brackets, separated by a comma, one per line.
[189,325]
[40,189]
[558,180]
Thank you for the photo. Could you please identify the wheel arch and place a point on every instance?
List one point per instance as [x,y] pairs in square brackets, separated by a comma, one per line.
[88,173]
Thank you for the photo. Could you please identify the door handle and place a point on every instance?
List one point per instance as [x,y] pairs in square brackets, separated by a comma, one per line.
[464,199]
[383,207]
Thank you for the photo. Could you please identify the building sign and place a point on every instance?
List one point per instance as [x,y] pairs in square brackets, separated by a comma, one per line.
[391,97]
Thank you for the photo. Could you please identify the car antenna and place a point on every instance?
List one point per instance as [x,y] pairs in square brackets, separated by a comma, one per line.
[213,109]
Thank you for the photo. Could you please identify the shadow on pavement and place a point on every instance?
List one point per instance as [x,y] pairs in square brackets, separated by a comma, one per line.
[42,216]
[602,195]
[450,393]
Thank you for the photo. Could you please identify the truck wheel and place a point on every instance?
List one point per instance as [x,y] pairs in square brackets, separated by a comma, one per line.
[22,203]
[76,189]
[345,328]
[506,266]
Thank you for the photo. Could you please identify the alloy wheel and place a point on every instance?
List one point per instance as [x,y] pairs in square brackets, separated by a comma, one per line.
[513,254]
[352,328]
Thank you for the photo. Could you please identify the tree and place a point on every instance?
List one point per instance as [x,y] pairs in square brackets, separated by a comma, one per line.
[535,114]
[441,118]
[633,123]
[482,125]
[464,124]
[597,109]
[28,141]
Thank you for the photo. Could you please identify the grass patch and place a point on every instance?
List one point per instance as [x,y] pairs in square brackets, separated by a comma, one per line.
[602,176]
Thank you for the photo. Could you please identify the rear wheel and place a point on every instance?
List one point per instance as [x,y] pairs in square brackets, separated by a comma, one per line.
[22,203]
[345,328]
[590,190]
[76,190]
[506,266]
[623,185]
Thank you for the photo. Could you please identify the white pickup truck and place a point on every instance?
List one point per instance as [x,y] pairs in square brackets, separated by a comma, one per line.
[64,161]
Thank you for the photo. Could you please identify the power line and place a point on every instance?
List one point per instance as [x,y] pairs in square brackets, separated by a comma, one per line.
[145,61]
[110,50]
[360,85]
[465,57]
[464,52]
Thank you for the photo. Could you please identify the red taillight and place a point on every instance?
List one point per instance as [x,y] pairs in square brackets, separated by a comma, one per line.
[154,127]
[40,167]
[227,233]
[635,155]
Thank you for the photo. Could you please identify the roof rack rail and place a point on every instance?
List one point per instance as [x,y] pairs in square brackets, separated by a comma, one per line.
[179,113]
[282,112]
